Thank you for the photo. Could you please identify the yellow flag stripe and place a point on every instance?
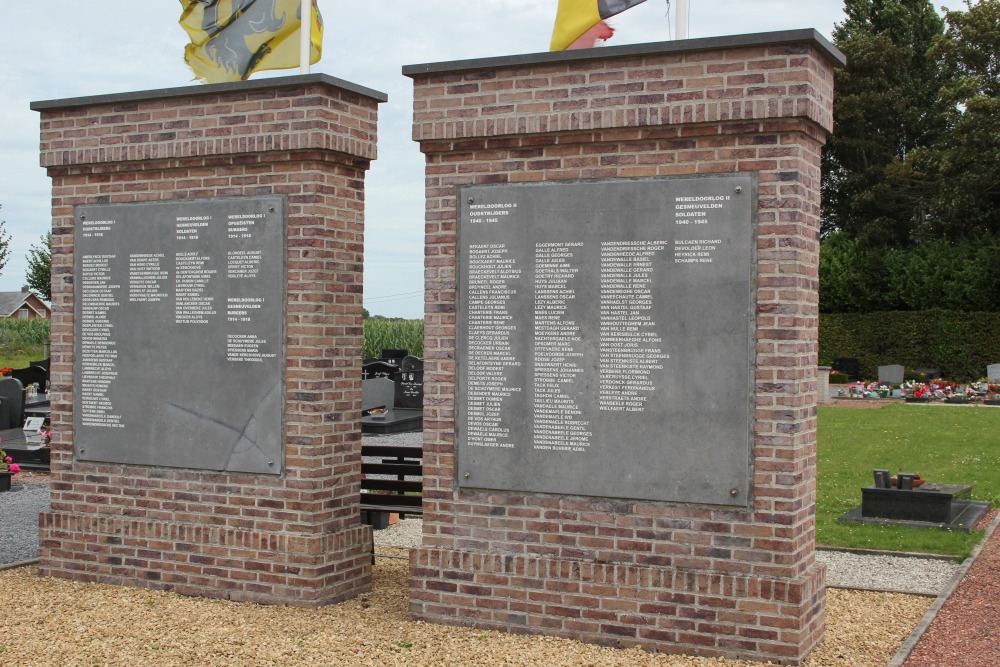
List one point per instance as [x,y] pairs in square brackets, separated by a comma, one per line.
[238,38]
[573,18]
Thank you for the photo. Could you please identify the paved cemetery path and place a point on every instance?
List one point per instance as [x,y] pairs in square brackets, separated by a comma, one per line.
[966,631]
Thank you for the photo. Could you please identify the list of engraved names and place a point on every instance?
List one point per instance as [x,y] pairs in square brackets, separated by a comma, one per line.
[188,273]
[574,328]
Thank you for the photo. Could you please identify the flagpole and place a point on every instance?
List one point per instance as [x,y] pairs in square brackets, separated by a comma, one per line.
[305,34]
[682,19]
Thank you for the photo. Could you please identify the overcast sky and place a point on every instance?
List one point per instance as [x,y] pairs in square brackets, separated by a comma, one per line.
[66,48]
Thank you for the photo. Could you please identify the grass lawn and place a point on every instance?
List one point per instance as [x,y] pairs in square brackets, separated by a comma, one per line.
[20,358]
[946,444]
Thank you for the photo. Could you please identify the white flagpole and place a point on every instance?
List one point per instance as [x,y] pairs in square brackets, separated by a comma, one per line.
[682,19]
[305,33]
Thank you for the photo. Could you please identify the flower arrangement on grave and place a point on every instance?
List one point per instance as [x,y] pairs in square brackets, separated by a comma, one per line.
[980,387]
[7,464]
[869,390]
[916,389]
[6,370]
[944,388]
[876,390]
[46,436]
[993,392]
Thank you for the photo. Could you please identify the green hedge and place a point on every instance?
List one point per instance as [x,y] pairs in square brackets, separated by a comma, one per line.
[960,345]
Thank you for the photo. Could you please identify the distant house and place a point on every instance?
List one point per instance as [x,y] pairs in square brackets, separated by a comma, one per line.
[23,305]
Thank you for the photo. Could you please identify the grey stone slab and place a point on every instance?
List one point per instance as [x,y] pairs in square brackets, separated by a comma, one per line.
[891,374]
[378,392]
[179,334]
[967,514]
[605,338]
[993,372]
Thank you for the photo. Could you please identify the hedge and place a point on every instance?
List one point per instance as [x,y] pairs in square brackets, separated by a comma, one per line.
[960,345]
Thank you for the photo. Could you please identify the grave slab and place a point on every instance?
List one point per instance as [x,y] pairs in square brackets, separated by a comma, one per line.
[891,374]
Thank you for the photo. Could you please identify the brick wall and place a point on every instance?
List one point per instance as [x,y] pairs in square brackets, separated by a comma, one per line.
[669,577]
[288,539]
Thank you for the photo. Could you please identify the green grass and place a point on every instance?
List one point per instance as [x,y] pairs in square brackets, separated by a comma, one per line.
[20,358]
[945,444]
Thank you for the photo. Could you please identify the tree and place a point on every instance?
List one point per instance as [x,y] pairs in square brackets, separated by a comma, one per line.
[39,276]
[964,166]
[885,106]
[4,244]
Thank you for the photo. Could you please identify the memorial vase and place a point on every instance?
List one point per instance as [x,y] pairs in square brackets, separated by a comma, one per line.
[5,478]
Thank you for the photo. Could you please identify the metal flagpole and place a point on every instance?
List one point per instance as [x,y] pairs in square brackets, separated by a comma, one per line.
[305,34]
[682,19]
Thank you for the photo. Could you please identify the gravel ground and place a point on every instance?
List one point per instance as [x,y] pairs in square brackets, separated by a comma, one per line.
[53,622]
[921,576]
[64,623]
[19,509]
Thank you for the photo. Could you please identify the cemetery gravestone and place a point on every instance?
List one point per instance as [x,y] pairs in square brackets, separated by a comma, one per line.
[890,375]
[378,368]
[11,404]
[993,373]
[410,384]
[376,393]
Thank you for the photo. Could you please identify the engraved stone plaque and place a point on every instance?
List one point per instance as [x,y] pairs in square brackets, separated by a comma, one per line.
[606,338]
[179,334]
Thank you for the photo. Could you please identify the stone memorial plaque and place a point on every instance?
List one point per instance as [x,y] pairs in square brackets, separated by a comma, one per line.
[179,334]
[606,338]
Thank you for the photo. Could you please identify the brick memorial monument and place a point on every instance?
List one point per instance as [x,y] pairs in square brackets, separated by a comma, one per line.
[620,365]
[206,338]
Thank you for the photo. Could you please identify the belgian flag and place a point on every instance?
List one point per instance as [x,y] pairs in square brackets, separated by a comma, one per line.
[232,39]
[576,19]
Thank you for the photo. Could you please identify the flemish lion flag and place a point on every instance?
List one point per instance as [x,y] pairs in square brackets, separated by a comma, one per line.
[580,23]
[232,39]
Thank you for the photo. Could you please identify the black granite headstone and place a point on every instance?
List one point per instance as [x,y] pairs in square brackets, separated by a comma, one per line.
[410,384]
[379,369]
[11,404]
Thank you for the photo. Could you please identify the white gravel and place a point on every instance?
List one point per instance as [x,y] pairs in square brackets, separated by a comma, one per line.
[902,574]
[19,510]
[402,535]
